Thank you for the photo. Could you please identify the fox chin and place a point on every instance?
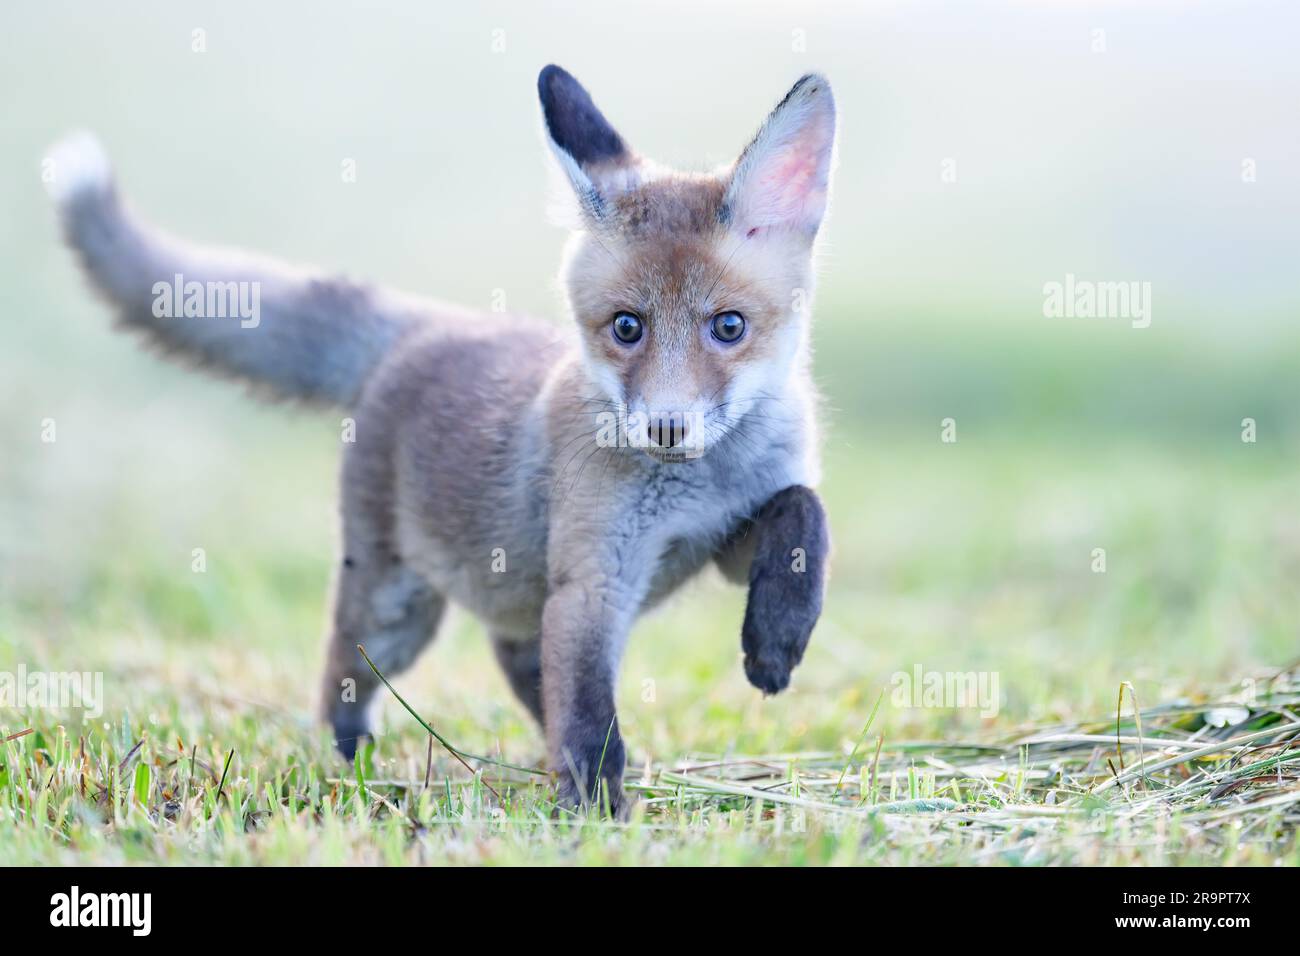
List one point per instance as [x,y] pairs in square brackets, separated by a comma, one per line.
[554,481]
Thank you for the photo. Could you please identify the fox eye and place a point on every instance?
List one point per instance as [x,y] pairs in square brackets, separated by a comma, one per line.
[627,327]
[728,326]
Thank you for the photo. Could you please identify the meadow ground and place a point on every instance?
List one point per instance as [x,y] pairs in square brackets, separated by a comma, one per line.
[977,557]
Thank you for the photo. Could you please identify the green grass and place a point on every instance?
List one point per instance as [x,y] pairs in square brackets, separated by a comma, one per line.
[1190,794]
[968,557]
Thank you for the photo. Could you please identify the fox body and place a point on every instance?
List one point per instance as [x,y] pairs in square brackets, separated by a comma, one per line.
[555,482]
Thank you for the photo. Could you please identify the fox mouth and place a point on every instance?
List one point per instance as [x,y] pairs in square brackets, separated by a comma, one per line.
[678,455]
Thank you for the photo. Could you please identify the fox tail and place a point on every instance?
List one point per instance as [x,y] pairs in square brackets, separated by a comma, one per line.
[289,332]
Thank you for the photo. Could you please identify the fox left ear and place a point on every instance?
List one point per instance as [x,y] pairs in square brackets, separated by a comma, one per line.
[593,155]
[782,179]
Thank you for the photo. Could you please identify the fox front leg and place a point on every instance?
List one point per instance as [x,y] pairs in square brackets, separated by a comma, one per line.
[582,635]
[782,554]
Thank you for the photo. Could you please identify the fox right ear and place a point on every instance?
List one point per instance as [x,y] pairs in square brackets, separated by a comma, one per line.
[782,179]
[594,157]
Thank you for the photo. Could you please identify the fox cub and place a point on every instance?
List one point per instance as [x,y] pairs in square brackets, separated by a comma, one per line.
[556,482]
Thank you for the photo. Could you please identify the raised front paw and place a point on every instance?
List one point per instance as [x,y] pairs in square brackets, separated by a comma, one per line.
[774,641]
[786,582]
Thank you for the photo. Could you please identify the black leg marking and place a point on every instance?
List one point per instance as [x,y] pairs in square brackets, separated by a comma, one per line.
[593,756]
[786,582]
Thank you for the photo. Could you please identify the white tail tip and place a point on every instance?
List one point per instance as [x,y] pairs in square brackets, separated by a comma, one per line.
[76,166]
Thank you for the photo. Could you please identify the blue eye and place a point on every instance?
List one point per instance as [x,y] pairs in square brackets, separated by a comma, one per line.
[627,327]
[728,327]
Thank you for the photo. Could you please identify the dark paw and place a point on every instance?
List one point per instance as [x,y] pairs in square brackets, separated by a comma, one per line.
[769,671]
[775,634]
[591,769]
[786,580]
[775,637]
[349,733]
[609,796]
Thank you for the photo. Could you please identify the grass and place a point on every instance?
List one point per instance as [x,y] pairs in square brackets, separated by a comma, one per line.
[974,557]
[1204,782]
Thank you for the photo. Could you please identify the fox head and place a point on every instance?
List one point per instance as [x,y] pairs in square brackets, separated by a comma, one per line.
[692,292]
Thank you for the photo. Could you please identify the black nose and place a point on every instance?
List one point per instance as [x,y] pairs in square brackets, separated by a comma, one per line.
[666,431]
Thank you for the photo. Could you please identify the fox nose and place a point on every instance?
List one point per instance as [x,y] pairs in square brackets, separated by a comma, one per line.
[667,431]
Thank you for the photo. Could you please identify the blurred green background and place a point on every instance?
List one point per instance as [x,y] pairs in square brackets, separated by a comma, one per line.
[1073,434]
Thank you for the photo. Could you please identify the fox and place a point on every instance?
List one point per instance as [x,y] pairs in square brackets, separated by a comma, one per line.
[556,481]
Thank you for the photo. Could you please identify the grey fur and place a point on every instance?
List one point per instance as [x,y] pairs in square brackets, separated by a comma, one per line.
[479,476]
[318,337]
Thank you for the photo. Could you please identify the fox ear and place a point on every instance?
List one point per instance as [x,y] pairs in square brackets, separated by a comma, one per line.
[592,154]
[782,179]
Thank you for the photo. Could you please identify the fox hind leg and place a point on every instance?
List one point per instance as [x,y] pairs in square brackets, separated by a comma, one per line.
[521,660]
[391,610]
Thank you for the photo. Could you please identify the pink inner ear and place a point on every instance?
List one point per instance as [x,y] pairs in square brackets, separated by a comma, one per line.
[789,183]
[791,174]
[782,179]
